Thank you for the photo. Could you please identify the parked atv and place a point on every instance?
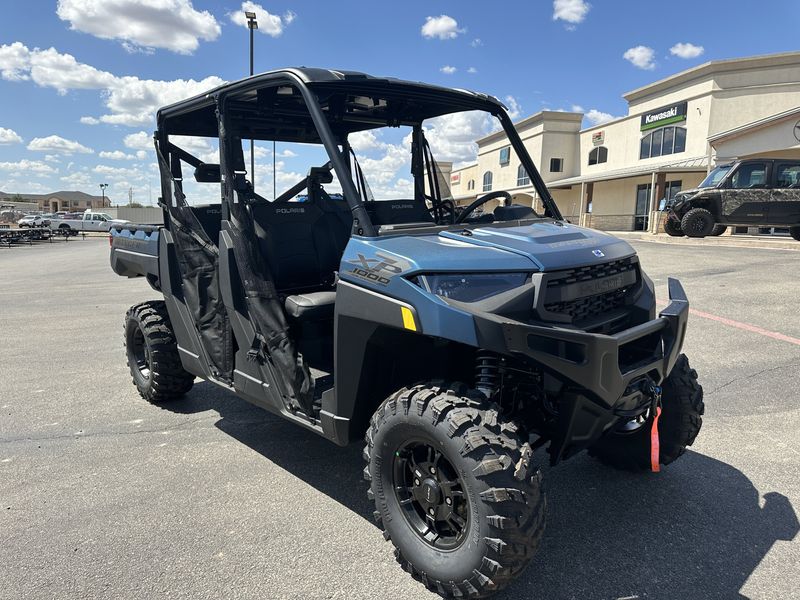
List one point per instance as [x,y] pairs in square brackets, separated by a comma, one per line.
[456,345]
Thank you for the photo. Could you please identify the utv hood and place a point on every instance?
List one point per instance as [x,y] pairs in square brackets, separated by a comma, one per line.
[545,246]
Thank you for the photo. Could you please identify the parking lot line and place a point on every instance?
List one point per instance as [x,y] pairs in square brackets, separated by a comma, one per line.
[739,325]
[745,326]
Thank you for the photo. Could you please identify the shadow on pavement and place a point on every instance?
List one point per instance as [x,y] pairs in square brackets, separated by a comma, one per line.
[697,530]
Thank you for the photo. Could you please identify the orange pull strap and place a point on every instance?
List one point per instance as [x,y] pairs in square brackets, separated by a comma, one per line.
[655,449]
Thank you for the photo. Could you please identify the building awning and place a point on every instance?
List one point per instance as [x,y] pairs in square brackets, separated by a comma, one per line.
[699,163]
[759,124]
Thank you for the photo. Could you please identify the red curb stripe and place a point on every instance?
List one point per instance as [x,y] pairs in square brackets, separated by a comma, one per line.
[746,327]
[743,326]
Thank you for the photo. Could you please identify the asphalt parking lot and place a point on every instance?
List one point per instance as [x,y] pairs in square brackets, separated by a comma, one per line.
[105,496]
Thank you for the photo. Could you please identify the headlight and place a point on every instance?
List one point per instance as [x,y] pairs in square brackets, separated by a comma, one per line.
[470,287]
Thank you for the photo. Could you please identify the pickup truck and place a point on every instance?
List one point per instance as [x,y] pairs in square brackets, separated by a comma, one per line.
[91,221]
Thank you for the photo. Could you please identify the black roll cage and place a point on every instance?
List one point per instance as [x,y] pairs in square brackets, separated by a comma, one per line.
[177,119]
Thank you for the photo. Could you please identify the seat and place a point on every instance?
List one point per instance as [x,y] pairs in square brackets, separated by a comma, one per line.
[311,306]
[301,243]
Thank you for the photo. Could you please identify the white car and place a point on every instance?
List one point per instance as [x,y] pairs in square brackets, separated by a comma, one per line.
[91,221]
[34,221]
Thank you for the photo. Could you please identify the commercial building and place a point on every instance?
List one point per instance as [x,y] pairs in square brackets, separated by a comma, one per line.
[615,175]
[60,201]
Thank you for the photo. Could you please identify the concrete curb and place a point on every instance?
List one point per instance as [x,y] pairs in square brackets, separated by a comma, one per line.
[733,241]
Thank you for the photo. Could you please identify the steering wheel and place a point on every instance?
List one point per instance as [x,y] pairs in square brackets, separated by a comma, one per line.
[446,208]
[481,201]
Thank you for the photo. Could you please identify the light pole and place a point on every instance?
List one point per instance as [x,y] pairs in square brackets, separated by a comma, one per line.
[252,25]
[103,187]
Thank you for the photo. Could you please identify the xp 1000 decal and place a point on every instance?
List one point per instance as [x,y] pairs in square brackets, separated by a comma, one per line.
[377,269]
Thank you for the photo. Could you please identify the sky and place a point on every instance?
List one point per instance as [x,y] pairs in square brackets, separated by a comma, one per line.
[80,80]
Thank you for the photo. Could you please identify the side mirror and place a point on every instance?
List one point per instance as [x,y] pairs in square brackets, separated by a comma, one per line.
[207,173]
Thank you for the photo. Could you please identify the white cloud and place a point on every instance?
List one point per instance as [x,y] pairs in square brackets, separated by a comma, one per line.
[476,42]
[55,143]
[577,108]
[26,166]
[443,27]
[120,174]
[448,70]
[117,155]
[130,100]
[571,11]
[14,62]
[9,136]
[362,141]
[472,70]
[171,24]
[78,179]
[452,137]
[140,140]
[595,117]
[52,158]
[514,108]
[269,24]
[641,57]
[133,101]
[686,50]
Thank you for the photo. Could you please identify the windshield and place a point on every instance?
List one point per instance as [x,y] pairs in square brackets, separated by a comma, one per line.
[717,175]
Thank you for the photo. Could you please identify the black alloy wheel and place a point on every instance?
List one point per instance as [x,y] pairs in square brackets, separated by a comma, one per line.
[431,495]
[141,354]
[152,351]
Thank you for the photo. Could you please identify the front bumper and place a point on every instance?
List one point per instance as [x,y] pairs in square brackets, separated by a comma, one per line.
[605,365]
[598,369]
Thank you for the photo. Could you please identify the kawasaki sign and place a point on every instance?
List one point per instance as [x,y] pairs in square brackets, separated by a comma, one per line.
[664,116]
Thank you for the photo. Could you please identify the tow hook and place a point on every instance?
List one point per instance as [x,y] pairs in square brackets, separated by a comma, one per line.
[655,444]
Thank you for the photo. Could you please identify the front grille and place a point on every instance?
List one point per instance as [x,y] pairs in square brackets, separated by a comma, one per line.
[586,293]
[587,308]
[590,272]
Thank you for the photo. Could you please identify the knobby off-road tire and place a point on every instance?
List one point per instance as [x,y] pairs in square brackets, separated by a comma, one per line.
[673,228]
[501,497]
[681,418]
[153,354]
[795,232]
[697,223]
[719,229]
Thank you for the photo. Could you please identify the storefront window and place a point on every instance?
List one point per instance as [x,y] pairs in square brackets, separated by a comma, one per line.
[644,150]
[598,155]
[505,155]
[522,176]
[655,145]
[664,141]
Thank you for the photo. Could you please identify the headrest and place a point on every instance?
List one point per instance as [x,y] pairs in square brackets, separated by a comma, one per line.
[207,173]
[320,174]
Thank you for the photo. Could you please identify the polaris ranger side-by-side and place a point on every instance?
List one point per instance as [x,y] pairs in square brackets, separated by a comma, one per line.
[457,344]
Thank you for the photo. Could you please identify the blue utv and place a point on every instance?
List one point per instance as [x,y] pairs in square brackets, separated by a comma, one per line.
[457,335]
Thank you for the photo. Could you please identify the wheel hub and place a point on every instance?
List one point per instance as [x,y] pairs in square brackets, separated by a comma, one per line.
[430,492]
